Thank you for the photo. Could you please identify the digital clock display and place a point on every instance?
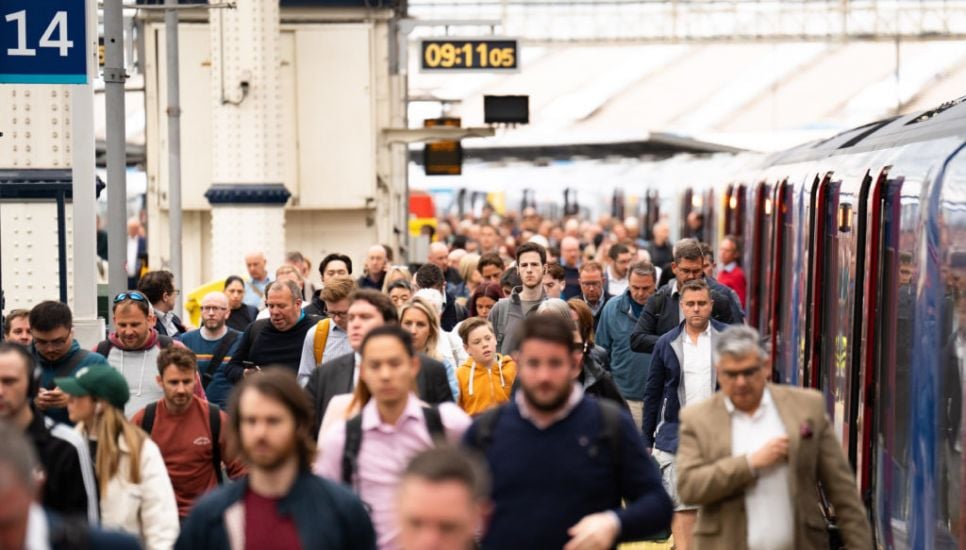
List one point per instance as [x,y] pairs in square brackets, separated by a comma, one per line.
[468,55]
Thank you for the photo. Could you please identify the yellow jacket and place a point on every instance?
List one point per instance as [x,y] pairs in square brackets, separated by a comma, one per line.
[483,388]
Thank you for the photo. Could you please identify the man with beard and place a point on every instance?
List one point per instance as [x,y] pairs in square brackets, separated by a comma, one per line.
[507,314]
[549,432]
[681,374]
[133,348]
[281,504]
[214,345]
[187,429]
[58,354]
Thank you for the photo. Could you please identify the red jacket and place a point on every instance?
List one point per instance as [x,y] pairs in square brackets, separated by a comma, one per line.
[735,280]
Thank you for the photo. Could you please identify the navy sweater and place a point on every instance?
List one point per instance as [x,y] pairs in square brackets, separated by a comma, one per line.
[545,481]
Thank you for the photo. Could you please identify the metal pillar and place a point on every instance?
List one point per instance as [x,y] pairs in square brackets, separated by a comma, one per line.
[88,329]
[174,144]
[114,77]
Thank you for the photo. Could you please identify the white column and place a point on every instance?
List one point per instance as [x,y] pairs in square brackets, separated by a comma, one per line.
[247,195]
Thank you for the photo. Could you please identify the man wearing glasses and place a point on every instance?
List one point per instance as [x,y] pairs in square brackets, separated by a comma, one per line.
[328,338]
[681,374]
[214,344]
[662,312]
[752,457]
[158,287]
[592,290]
[58,354]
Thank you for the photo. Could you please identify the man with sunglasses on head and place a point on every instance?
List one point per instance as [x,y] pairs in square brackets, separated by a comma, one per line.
[133,349]
[58,354]
[662,313]
[681,374]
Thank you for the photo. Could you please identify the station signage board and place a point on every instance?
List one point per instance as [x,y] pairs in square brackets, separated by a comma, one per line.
[469,54]
[443,158]
[43,42]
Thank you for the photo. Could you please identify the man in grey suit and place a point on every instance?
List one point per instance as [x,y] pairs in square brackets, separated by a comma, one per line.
[369,309]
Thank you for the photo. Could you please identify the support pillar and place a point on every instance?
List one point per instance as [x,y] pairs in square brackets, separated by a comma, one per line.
[247,196]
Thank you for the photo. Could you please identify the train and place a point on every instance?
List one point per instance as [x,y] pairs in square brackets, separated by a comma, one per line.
[854,248]
[855,254]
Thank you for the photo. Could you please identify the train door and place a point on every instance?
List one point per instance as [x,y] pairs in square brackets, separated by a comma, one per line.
[816,242]
[761,263]
[780,299]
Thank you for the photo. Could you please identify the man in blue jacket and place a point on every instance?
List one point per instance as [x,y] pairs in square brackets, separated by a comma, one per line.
[617,322]
[562,463]
[281,505]
[682,373]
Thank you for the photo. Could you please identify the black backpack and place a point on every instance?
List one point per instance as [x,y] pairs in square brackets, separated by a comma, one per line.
[214,422]
[609,435]
[353,440]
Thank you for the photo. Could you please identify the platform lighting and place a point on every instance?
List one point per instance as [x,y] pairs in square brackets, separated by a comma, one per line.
[733,202]
[768,206]
[697,201]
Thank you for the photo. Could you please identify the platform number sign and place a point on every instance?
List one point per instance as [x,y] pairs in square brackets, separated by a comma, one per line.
[43,42]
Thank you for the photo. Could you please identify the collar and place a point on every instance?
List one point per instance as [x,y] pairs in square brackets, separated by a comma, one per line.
[266,280]
[729,266]
[576,394]
[357,357]
[38,531]
[372,421]
[766,402]
[674,286]
[705,332]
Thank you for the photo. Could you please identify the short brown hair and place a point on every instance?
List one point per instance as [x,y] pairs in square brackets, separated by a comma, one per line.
[556,272]
[468,326]
[177,356]
[695,285]
[13,316]
[447,463]
[379,301]
[290,269]
[591,266]
[585,319]
[278,384]
[337,289]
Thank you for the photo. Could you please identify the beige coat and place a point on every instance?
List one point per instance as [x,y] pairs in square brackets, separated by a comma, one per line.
[710,477]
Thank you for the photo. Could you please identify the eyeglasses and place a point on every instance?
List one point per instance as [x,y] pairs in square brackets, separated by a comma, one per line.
[747,373]
[339,314]
[213,308]
[136,296]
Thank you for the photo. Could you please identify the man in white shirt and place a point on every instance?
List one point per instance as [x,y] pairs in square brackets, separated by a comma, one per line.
[620,260]
[752,457]
[681,374]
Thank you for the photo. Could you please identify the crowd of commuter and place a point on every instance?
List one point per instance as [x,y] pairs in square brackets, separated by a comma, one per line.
[527,384]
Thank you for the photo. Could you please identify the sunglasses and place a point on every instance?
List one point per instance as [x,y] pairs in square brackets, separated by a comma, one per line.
[136,296]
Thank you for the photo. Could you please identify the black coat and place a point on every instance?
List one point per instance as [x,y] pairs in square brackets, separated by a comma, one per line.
[335,377]
[61,451]
[453,313]
[662,314]
[159,326]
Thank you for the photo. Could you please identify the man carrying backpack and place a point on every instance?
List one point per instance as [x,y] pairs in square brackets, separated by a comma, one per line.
[214,345]
[188,430]
[133,349]
[370,451]
[562,463]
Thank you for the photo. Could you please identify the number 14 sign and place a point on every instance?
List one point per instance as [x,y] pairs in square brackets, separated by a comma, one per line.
[43,42]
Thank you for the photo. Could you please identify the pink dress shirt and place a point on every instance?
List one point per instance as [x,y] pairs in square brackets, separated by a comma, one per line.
[385,452]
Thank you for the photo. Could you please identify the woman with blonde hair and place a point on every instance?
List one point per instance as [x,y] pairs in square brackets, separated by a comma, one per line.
[134,488]
[394,273]
[420,318]
[471,277]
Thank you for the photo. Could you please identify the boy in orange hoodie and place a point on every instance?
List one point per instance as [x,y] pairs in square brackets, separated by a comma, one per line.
[486,378]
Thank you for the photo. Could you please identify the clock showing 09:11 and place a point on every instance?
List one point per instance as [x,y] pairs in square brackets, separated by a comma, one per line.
[468,55]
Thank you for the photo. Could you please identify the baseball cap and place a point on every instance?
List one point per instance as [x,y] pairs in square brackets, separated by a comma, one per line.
[100,381]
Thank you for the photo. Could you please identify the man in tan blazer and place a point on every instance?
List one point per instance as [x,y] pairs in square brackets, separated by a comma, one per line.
[752,455]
